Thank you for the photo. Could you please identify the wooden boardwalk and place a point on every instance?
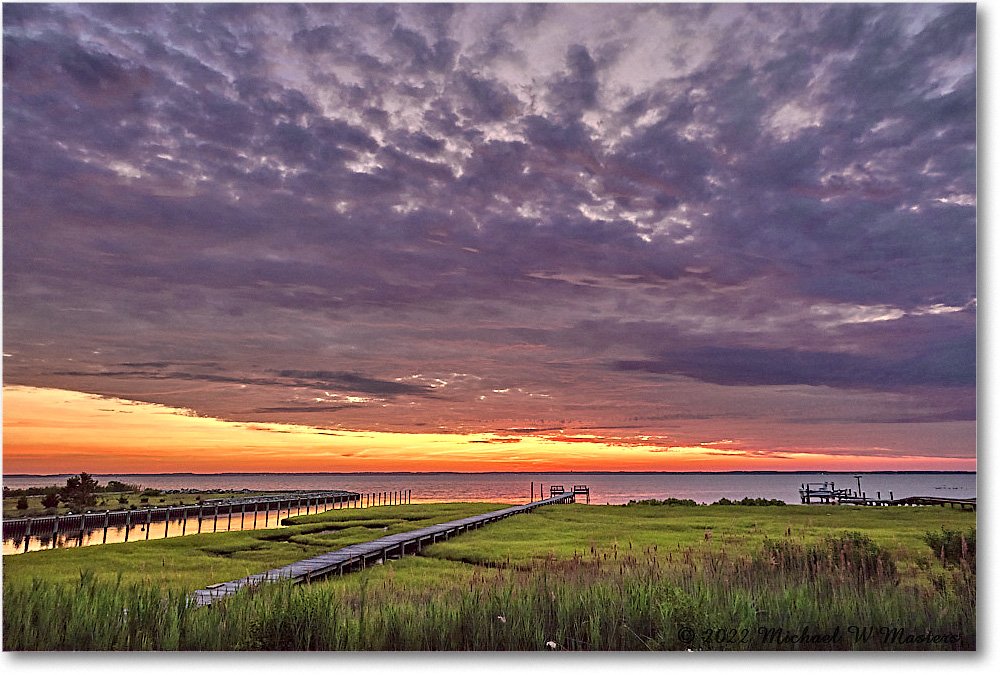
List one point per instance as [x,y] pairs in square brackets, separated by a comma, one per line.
[208,510]
[358,556]
[935,501]
[826,493]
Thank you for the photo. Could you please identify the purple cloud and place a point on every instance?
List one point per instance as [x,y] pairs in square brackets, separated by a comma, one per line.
[586,203]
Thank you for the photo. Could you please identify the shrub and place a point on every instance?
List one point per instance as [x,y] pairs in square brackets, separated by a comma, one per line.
[952,546]
[22,503]
[669,501]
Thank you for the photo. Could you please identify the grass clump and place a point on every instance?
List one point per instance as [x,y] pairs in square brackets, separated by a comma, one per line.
[850,555]
[953,547]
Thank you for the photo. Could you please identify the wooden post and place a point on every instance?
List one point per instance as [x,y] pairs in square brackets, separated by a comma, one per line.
[166,524]
[229,524]
[215,519]
[255,508]
[201,511]
[184,520]
[149,521]
[128,523]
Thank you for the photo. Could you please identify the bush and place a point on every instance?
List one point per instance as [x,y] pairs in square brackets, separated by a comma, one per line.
[51,500]
[22,503]
[669,501]
[952,546]
[750,501]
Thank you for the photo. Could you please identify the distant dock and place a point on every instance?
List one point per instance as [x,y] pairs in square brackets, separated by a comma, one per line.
[828,493]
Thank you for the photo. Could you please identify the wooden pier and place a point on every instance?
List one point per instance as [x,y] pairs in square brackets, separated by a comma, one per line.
[208,510]
[827,493]
[936,501]
[358,556]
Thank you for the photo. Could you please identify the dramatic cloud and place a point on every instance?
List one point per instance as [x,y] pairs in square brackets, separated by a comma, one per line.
[657,219]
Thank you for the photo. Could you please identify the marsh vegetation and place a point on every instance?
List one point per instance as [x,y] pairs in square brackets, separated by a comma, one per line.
[569,577]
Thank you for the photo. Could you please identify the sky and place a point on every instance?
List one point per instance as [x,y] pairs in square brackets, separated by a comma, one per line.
[489,237]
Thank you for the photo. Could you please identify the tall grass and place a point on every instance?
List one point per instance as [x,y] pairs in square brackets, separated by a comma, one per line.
[628,598]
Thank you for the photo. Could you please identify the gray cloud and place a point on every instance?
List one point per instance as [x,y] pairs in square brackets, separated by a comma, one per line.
[743,195]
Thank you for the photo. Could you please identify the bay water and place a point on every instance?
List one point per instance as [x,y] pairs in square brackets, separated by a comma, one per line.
[505,488]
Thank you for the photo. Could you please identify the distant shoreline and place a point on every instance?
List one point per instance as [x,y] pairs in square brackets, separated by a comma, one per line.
[490,473]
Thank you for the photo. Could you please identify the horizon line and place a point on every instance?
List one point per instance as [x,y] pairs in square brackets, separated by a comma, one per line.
[476,473]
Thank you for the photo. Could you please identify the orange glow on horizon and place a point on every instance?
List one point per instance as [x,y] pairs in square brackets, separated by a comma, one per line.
[49,431]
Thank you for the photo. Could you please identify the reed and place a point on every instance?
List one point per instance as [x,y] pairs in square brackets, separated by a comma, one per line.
[618,598]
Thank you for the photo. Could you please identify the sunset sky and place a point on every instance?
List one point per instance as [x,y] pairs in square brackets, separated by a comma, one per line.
[489,237]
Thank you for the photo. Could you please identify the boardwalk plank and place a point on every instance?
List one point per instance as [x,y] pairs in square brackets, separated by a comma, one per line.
[331,560]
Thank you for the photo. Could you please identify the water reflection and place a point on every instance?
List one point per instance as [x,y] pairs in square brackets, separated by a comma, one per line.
[176,527]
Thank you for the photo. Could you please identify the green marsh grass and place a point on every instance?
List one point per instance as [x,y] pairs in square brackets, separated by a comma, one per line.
[564,578]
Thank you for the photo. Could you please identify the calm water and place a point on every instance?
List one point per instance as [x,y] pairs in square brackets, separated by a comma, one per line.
[70,538]
[510,488]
